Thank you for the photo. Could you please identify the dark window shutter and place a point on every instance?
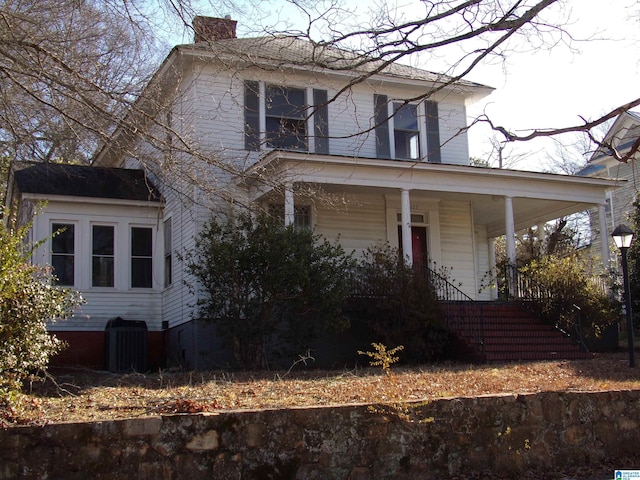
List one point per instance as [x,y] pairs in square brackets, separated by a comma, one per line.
[433,133]
[251,116]
[321,120]
[381,119]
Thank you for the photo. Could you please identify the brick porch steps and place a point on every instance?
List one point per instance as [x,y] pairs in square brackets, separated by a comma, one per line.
[510,332]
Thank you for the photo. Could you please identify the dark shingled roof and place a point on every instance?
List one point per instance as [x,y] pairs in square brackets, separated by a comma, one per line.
[86,181]
[281,51]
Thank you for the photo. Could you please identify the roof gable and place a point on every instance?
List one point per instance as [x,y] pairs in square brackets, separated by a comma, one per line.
[86,181]
[622,135]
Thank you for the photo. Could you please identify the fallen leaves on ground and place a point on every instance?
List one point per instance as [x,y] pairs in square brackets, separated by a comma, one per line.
[76,395]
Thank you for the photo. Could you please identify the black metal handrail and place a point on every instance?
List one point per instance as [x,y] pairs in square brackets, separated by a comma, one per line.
[459,310]
[544,302]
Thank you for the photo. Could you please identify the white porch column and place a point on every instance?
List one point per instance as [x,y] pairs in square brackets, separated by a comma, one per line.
[542,235]
[289,210]
[407,247]
[510,234]
[493,291]
[510,230]
[604,236]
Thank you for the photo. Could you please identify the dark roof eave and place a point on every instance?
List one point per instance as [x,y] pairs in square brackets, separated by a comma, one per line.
[86,181]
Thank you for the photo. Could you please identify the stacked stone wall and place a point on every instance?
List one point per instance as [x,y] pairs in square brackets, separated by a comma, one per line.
[507,434]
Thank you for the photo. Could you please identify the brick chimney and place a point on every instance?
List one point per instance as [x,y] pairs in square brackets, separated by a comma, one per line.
[209,29]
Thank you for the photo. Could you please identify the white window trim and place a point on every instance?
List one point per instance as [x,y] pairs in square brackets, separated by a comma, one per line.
[262,112]
[117,271]
[76,248]
[422,131]
[154,267]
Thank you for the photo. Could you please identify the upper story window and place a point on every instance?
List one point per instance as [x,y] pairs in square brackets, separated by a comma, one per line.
[399,132]
[63,253]
[141,257]
[278,116]
[406,135]
[286,126]
[102,260]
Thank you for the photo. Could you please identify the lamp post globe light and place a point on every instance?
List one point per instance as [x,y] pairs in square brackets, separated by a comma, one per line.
[622,237]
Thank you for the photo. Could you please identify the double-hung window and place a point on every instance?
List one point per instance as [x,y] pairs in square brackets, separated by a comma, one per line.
[398,132]
[141,257]
[406,135]
[102,260]
[63,253]
[285,117]
[168,247]
[302,214]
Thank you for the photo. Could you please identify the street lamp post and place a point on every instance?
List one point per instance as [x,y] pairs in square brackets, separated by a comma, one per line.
[622,237]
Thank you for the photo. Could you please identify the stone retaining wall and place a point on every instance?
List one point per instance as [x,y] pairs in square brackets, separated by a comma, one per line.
[434,440]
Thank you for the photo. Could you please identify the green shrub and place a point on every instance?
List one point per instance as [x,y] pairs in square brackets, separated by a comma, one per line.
[399,304]
[569,282]
[264,283]
[27,301]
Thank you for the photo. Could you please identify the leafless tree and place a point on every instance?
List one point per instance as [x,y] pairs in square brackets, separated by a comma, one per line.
[69,70]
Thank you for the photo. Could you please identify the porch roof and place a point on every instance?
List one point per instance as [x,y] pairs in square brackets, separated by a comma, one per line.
[537,197]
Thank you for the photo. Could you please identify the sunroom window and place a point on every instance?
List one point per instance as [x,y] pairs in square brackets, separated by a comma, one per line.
[63,253]
[141,257]
[102,263]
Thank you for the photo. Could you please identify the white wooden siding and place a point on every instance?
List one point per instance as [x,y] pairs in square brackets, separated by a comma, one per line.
[100,307]
[358,225]
[216,101]
[456,232]
[483,265]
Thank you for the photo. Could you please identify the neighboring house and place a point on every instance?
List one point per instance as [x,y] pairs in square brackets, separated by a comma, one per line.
[278,124]
[617,158]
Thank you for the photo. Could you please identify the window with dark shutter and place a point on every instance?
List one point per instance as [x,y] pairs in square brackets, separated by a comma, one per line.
[251,116]
[381,119]
[321,121]
[433,132]
[406,136]
[285,117]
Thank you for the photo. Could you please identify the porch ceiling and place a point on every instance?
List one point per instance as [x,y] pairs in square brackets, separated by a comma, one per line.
[537,197]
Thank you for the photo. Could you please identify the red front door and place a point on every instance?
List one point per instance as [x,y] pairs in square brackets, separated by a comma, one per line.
[418,244]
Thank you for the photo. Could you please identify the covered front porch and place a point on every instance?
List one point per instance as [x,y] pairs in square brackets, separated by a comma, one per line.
[445,216]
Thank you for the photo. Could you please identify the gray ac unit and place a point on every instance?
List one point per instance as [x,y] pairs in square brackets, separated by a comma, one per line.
[126,345]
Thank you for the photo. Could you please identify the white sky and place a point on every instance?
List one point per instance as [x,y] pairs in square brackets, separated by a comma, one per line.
[553,89]
[538,89]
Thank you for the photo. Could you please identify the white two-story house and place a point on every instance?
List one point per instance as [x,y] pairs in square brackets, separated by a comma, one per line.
[363,153]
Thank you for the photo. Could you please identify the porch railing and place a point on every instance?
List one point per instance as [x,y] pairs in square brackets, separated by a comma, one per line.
[459,310]
[546,303]
[461,313]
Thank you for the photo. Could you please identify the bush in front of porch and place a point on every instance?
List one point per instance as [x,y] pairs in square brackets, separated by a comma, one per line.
[270,289]
[568,295]
[399,305]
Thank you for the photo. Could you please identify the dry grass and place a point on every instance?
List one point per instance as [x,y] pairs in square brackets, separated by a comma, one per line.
[82,395]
